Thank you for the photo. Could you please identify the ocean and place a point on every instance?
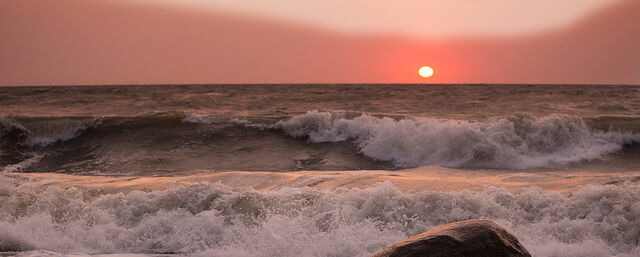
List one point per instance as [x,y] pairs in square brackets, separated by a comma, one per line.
[315,169]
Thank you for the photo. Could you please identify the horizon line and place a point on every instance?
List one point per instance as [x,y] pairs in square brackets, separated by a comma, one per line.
[319,84]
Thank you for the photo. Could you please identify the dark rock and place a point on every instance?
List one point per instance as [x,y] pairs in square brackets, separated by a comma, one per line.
[471,238]
[11,243]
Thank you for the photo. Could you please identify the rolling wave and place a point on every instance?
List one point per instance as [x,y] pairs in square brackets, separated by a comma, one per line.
[43,131]
[519,141]
[316,140]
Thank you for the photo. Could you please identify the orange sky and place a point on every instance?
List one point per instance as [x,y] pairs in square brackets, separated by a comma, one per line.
[133,42]
[415,18]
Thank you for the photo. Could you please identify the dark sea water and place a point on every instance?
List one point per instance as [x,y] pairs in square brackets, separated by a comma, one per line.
[164,129]
[150,131]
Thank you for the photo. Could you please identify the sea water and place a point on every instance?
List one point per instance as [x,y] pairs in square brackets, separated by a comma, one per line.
[259,139]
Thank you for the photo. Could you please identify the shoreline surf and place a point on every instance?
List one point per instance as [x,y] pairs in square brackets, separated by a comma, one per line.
[282,213]
[341,170]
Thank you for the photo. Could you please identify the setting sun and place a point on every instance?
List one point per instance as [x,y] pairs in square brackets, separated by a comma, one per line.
[425,71]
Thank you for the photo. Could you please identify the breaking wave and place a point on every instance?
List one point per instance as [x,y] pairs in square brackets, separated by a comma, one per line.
[519,141]
[43,131]
[174,141]
[216,220]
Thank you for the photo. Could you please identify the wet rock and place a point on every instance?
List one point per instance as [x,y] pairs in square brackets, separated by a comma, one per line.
[471,238]
[10,244]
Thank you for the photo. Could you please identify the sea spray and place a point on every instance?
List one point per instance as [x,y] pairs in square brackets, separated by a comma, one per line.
[519,141]
[216,220]
[43,131]
[176,141]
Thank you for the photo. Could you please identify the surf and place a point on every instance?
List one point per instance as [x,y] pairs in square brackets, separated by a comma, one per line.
[213,219]
[316,140]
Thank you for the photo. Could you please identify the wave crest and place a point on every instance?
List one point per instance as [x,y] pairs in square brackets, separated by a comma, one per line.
[380,142]
[42,131]
[519,141]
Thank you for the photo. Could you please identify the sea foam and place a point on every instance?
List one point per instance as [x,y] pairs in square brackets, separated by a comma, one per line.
[216,220]
[519,141]
[370,142]
[43,131]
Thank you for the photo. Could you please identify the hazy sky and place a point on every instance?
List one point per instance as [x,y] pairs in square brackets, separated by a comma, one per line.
[291,41]
[416,18]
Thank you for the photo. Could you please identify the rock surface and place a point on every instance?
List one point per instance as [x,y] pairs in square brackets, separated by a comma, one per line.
[471,238]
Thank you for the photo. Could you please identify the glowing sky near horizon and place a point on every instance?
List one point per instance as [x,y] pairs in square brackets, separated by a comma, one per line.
[414,18]
[86,42]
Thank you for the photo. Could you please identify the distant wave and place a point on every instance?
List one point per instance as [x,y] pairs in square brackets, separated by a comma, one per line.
[216,220]
[167,141]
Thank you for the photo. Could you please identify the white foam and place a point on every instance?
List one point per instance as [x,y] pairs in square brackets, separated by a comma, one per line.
[18,167]
[45,132]
[215,220]
[200,119]
[515,142]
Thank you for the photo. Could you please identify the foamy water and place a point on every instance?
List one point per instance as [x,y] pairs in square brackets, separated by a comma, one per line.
[217,220]
[514,142]
[316,140]
[139,168]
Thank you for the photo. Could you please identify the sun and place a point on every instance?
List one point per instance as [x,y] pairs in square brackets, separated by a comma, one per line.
[425,71]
